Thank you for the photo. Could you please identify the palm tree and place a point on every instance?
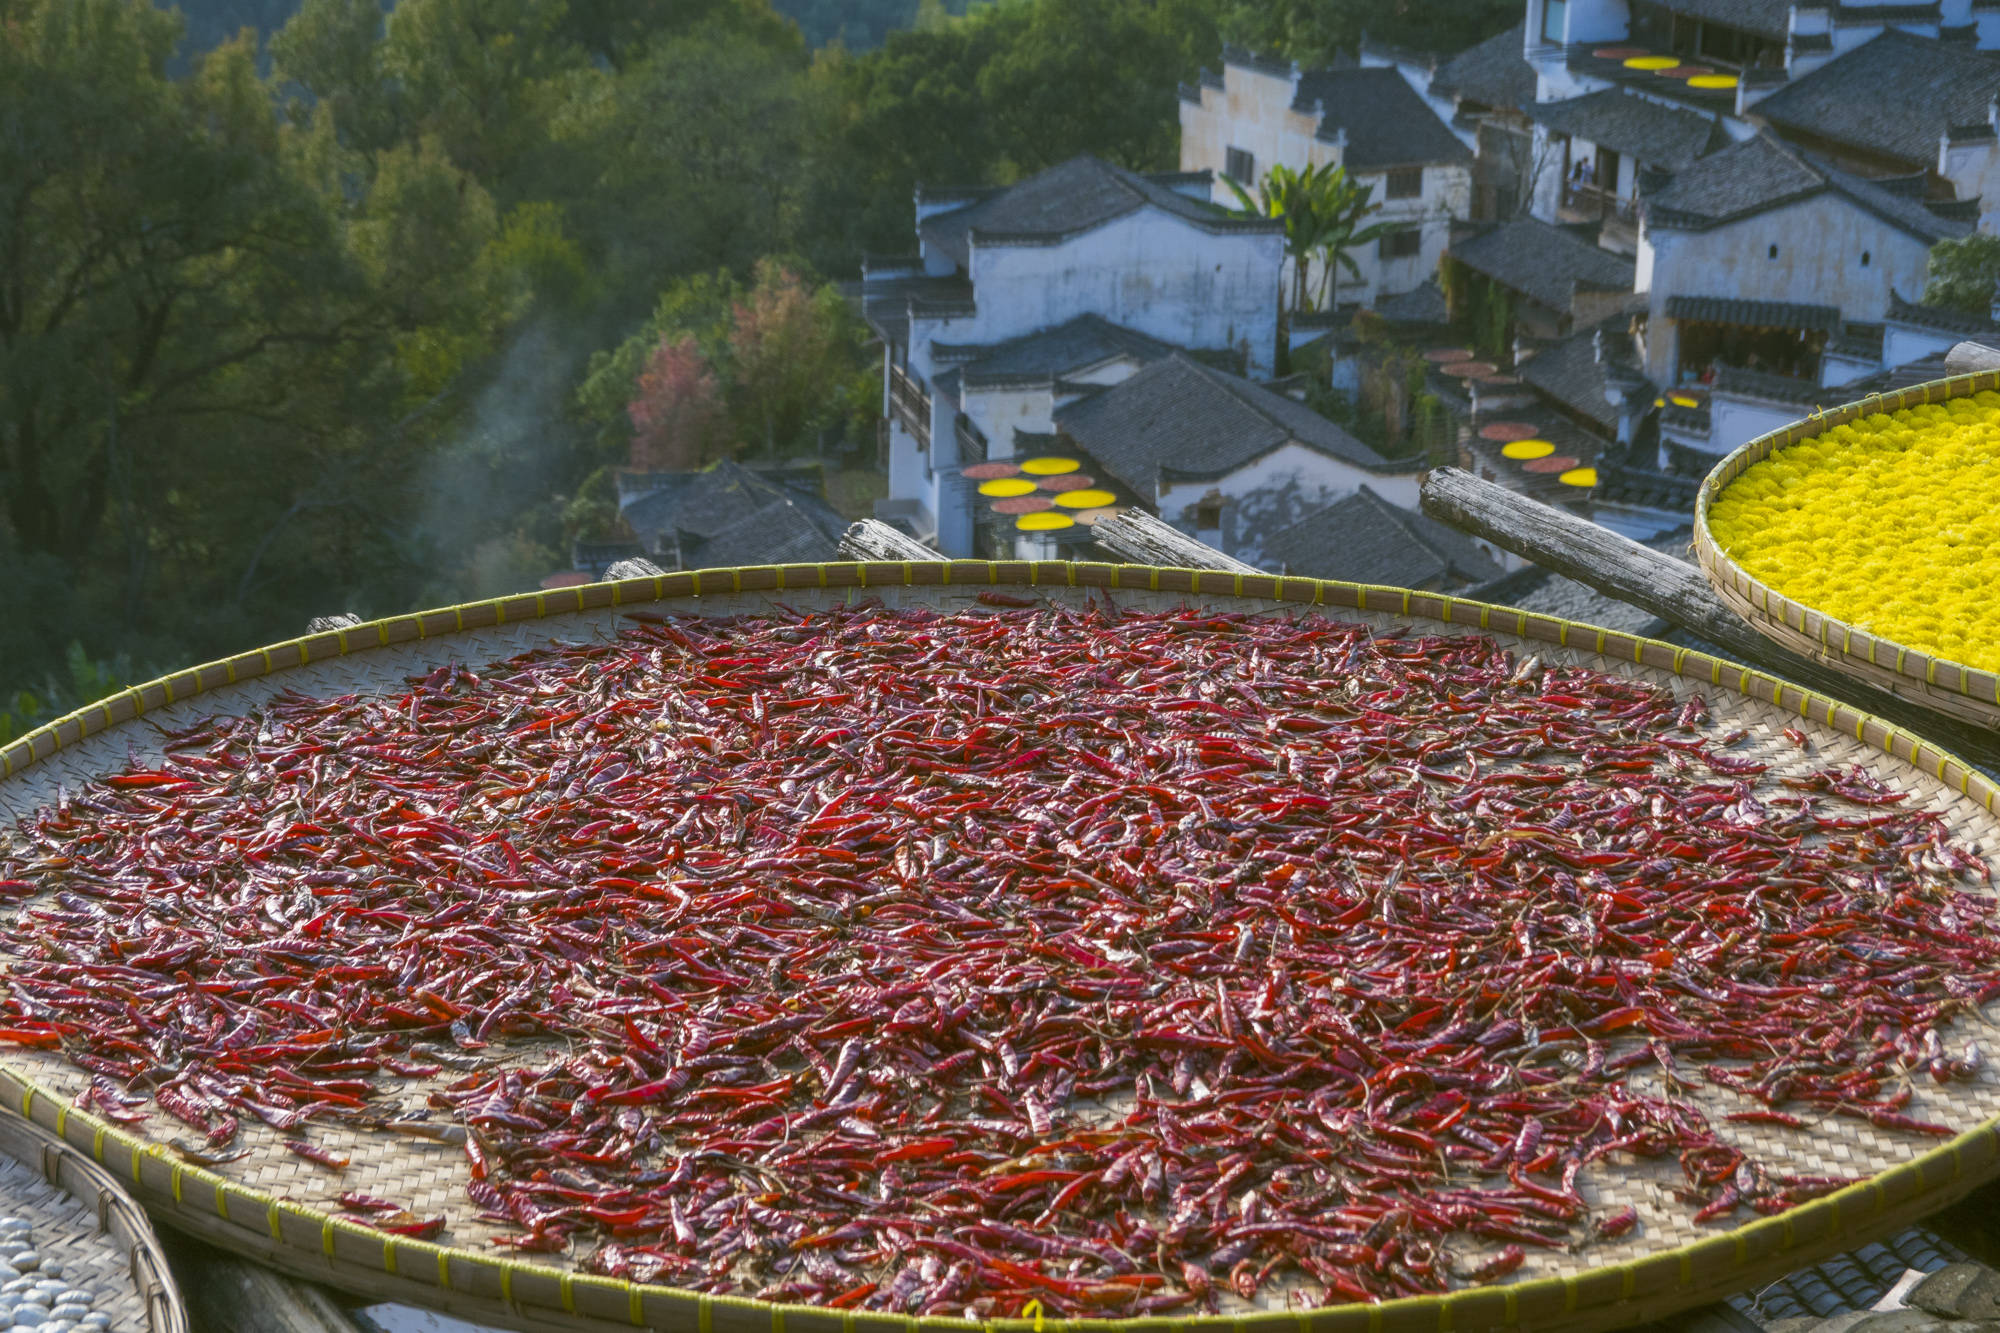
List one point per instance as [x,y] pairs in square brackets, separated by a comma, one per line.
[1323,210]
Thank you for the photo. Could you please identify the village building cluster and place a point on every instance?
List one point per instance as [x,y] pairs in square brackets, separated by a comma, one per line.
[1673,225]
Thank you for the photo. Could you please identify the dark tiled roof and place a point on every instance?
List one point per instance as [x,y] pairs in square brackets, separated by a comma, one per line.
[1641,486]
[1762,173]
[1069,198]
[1690,420]
[1851,1281]
[1387,124]
[1753,314]
[1495,72]
[1895,94]
[1543,262]
[729,515]
[1943,318]
[1180,418]
[1572,373]
[1637,126]
[1863,342]
[1766,18]
[1739,383]
[885,303]
[1365,539]
[1920,371]
[1419,305]
[1039,358]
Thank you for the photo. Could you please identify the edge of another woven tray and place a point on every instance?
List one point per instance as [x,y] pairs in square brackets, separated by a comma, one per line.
[1950,687]
[316,1244]
[119,1216]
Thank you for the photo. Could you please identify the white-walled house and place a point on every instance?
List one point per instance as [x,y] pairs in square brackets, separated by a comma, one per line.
[1762,251]
[1259,113]
[1150,256]
[1904,106]
[1766,270]
[1220,457]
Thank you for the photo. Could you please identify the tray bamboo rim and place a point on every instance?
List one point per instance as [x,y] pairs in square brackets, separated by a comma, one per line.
[119,1216]
[316,1244]
[1955,688]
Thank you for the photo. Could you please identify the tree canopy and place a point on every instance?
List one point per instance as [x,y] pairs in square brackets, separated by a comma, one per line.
[321,305]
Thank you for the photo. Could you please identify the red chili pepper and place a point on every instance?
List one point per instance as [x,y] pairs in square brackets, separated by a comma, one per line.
[734,944]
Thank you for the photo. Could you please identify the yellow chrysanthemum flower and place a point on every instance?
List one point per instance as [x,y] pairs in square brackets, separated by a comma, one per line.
[1890,523]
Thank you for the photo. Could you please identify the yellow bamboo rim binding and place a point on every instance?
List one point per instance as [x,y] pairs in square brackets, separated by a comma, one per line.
[300,1237]
[1949,687]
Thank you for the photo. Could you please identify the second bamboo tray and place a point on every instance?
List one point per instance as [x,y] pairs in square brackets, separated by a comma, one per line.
[1945,686]
[275,1208]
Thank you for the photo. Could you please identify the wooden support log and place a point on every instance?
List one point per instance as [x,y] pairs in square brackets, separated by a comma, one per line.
[872,539]
[1135,537]
[1674,591]
[226,1294]
[1968,357]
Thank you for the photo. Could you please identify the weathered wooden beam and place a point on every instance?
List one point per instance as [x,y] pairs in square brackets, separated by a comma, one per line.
[226,1294]
[1135,537]
[632,567]
[872,539]
[1968,357]
[1674,591]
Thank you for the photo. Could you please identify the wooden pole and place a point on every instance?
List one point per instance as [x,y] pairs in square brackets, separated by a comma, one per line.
[1135,537]
[872,539]
[1968,357]
[1671,589]
[226,1294]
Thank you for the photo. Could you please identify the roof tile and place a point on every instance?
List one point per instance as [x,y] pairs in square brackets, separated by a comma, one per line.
[1542,261]
[1179,418]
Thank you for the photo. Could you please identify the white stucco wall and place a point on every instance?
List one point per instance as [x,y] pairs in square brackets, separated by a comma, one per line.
[1735,422]
[1904,343]
[1838,370]
[1149,271]
[1974,171]
[1820,243]
[1252,112]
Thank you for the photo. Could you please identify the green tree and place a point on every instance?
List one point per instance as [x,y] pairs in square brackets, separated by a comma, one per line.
[155,258]
[1323,210]
[1965,273]
[791,346]
[1313,32]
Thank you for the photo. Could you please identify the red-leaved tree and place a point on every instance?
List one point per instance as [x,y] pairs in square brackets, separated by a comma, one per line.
[677,412]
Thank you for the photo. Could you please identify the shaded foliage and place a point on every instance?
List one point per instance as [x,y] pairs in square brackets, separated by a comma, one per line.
[357,319]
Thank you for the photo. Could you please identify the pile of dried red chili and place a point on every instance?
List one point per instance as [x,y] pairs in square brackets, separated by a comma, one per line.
[934,963]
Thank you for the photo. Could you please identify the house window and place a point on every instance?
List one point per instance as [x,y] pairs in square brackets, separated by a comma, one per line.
[1865,257]
[1208,516]
[1240,166]
[1406,183]
[1403,244]
[1552,19]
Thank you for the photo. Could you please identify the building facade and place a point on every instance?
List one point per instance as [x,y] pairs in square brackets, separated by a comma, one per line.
[1259,113]
[1150,258]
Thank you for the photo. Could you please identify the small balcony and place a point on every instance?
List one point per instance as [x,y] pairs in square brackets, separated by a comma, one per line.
[1617,216]
[911,405]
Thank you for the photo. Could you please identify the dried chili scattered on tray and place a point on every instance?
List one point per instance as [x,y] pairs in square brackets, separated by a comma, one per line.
[936,963]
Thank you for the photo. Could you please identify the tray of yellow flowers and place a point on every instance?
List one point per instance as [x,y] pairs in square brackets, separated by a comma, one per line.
[1868,538]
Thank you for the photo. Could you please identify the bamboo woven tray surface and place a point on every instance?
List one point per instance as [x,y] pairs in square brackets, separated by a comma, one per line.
[463,1273]
[83,1222]
[1950,687]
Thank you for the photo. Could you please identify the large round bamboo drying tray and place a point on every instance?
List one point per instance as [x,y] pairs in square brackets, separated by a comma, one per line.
[85,1219]
[1938,683]
[273,1207]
